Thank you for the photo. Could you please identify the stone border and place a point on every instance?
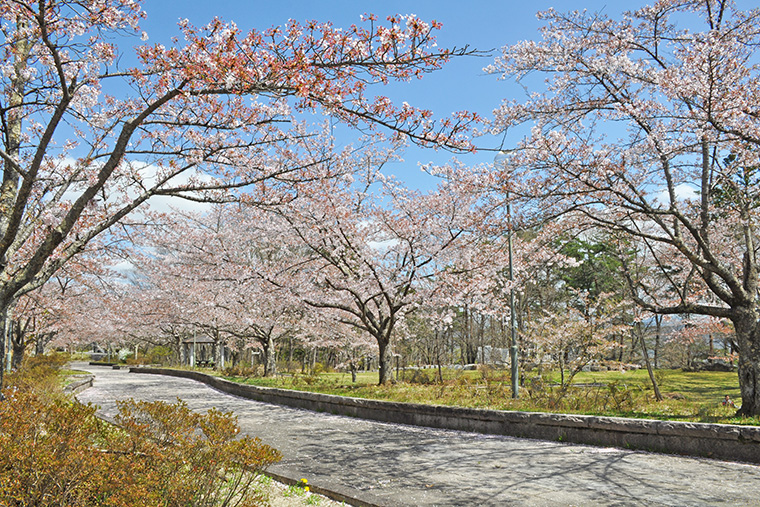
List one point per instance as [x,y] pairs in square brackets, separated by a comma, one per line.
[334,492]
[78,386]
[720,441]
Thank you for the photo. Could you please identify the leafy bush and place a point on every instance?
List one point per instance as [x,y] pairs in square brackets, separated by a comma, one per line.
[613,398]
[56,452]
[321,368]
[49,457]
[39,373]
[159,355]
[245,370]
[423,377]
[194,458]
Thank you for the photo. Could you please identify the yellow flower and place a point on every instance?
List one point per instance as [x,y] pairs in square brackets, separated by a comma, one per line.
[306,488]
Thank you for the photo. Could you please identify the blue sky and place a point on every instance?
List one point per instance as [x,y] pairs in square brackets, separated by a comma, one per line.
[462,84]
[483,25]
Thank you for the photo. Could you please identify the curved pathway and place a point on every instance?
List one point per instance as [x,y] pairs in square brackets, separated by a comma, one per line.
[395,465]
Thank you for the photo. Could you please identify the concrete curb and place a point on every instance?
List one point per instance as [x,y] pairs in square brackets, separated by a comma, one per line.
[333,492]
[79,385]
[720,441]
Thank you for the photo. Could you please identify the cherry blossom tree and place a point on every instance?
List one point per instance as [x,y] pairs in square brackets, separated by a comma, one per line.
[67,301]
[473,288]
[152,315]
[368,246]
[648,127]
[239,256]
[87,140]
[574,337]
[210,271]
[94,316]
[34,320]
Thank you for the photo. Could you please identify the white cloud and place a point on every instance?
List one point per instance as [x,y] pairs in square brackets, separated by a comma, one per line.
[122,267]
[383,245]
[682,192]
[168,204]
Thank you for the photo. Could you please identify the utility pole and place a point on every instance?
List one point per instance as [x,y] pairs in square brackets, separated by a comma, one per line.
[499,158]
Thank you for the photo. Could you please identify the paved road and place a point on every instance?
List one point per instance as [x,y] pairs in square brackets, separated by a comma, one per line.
[396,465]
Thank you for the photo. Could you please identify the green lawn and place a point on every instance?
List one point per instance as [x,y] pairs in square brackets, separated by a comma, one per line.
[697,387]
[689,396]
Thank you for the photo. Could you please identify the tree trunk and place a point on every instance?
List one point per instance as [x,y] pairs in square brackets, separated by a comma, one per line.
[218,352]
[18,334]
[19,347]
[12,130]
[353,368]
[184,358]
[438,347]
[748,340]
[481,340]
[270,365]
[39,344]
[385,361]
[3,324]
[178,347]
[650,371]
[290,352]
[658,331]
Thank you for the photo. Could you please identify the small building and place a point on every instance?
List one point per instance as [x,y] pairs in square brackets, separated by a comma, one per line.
[199,351]
[98,353]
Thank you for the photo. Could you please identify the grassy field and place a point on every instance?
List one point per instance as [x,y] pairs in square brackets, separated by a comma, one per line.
[689,396]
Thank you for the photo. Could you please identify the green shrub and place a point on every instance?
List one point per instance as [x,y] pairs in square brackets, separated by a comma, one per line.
[661,377]
[245,370]
[321,368]
[197,459]
[48,454]
[38,373]
[424,377]
[159,355]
